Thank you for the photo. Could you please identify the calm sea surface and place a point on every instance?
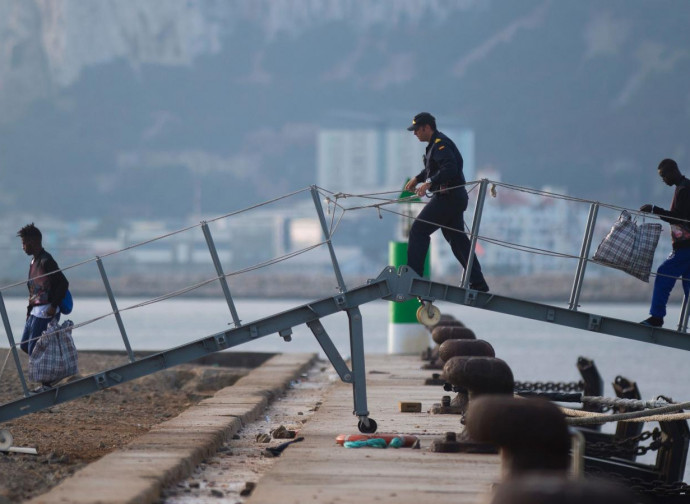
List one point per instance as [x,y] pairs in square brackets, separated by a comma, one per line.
[533,350]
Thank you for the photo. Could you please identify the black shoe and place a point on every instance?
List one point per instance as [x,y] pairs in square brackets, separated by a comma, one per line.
[653,322]
[481,287]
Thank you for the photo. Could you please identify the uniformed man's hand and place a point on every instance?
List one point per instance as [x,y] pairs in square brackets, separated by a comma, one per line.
[51,310]
[411,184]
[422,189]
[646,208]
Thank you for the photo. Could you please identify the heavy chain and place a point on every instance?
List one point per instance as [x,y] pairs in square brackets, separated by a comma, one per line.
[625,447]
[655,488]
[550,386]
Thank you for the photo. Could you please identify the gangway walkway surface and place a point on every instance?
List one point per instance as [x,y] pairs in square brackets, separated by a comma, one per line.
[391,284]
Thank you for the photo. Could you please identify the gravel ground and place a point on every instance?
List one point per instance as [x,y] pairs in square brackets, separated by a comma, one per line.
[73,434]
[231,475]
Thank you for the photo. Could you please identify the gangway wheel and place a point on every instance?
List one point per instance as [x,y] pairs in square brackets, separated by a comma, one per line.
[428,314]
[367,425]
[6,440]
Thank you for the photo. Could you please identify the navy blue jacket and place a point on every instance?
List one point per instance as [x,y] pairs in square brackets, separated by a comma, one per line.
[443,165]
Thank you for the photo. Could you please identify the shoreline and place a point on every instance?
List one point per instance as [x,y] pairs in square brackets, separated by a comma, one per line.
[541,288]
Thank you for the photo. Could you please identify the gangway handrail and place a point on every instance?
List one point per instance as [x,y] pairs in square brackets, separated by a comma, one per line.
[389,285]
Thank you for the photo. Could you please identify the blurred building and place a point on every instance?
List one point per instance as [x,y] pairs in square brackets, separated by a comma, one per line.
[365,160]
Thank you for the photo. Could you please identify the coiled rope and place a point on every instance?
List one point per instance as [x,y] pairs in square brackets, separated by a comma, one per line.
[662,414]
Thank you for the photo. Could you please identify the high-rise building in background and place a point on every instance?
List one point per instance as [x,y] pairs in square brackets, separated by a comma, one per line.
[372,160]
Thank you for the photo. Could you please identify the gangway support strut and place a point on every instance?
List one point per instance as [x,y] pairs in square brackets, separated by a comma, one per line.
[329,349]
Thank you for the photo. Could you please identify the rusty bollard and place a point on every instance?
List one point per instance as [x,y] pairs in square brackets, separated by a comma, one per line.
[478,376]
[531,433]
[548,488]
[430,354]
[465,348]
[460,348]
[444,333]
[472,376]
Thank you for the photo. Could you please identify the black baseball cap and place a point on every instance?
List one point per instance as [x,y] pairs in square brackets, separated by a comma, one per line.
[421,119]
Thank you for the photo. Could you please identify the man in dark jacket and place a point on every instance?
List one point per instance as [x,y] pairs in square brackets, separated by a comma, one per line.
[47,287]
[442,175]
[678,263]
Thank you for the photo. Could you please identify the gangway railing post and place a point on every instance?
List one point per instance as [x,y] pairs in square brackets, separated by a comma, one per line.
[684,314]
[327,234]
[13,346]
[476,221]
[116,311]
[220,273]
[584,254]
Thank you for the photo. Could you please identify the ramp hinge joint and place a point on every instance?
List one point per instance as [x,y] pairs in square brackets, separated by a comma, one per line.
[471,297]
[101,380]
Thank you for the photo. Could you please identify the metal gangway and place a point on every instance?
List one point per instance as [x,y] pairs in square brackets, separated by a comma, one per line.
[395,285]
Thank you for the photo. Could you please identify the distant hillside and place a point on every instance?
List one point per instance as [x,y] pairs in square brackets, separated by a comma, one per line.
[152,109]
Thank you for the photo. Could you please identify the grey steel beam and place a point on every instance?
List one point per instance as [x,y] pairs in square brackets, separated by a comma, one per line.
[547,313]
[375,289]
[390,285]
[476,221]
[584,254]
[219,271]
[327,235]
[13,345]
[684,314]
[330,350]
[359,376]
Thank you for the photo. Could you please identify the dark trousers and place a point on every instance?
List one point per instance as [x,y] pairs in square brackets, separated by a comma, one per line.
[446,211]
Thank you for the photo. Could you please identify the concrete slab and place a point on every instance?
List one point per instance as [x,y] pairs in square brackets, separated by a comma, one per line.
[320,471]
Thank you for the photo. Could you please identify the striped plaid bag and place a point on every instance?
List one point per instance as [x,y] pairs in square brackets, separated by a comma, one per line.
[54,357]
[629,247]
[646,240]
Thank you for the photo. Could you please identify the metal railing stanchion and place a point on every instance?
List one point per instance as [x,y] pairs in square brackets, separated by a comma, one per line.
[584,254]
[13,346]
[219,271]
[116,311]
[327,235]
[684,313]
[476,221]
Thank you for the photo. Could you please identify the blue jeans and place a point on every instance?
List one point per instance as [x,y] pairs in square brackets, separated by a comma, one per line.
[33,329]
[677,265]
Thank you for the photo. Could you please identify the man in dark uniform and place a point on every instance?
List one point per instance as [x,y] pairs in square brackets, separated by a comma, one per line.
[442,175]
[678,263]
